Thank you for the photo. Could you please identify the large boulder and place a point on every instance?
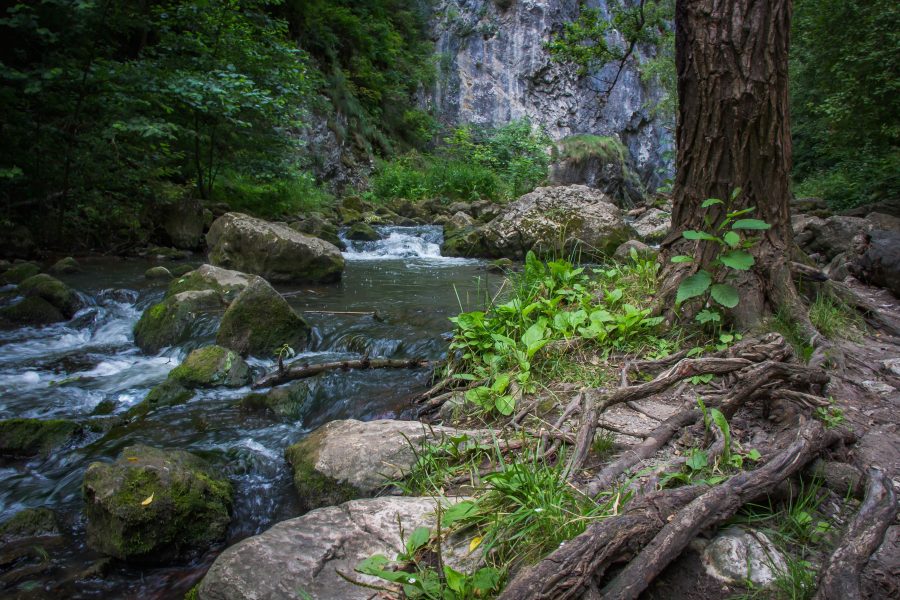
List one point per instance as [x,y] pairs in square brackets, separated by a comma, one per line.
[54,291]
[550,220]
[879,263]
[259,322]
[653,225]
[152,505]
[272,250]
[350,459]
[183,223]
[304,555]
[599,162]
[65,266]
[828,237]
[30,312]
[24,438]
[205,290]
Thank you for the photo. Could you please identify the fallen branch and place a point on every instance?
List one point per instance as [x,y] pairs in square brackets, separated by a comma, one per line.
[295,371]
[585,437]
[839,578]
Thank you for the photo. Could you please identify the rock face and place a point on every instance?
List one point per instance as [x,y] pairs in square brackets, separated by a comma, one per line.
[259,321]
[301,556]
[495,68]
[352,459]
[272,250]
[23,438]
[599,162]
[550,220]
[879,263]
[154,505]
[175,318]
[183,223]
[735,556]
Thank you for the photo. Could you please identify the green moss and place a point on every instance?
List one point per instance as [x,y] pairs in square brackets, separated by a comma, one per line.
[363,232]
[20,272]
[30,437]
[260,321]
[53,291]
[30,522]
[65,265]
[31,311]
[193,281]
[314,488]
[586,146]
[171,321]
[211,366]
[168,393]
[287,401]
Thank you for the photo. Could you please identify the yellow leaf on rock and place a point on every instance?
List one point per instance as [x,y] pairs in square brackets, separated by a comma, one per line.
[147,500]
[132,458]
[476,541]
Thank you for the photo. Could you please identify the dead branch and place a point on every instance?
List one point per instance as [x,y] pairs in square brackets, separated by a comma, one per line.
[295,371]
[839,578]
[585,438]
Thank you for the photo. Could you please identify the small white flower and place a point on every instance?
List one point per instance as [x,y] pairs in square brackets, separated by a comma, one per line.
[411,580]
[539,510]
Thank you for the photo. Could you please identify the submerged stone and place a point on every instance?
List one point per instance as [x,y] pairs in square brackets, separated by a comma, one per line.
[158,273]
[287,401]
[23,438]
[363,232]
[153,505]
[29,523]
[211,366]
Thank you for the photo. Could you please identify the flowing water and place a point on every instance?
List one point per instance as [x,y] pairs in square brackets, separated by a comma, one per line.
[66,370]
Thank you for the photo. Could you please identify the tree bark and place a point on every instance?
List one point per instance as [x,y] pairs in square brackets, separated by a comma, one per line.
[732,132]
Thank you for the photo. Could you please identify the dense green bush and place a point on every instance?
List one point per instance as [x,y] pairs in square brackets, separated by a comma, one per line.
[274,197]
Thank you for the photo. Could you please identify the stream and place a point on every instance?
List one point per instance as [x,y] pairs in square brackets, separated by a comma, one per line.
[66,370]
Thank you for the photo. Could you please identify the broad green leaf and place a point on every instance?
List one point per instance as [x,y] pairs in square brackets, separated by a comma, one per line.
[456,581]
[710,202]
[505,405]
[418,538]
[693,286]
[690,234]
[697,461]
[459,511]
[732,239]
[737,259]
[500,383]
[724,294]
[533,334]
[735,193]
[373,565]
[750,224]
[681,258]
[708,316]
[485,579]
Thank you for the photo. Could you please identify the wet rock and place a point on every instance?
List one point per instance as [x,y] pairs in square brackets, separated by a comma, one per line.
[20,272]
[29,523]
[879,262]
[104,407]
[166,253]
[172,321]
[152,505]
[363,232]
[30,312]
[287,402]
[563,220]
[167,393]
[23,438]
[736,556]
[653,225]
[260,321]
[65,266]
[183,222]
[351,459]
[459,220]
[182,269]
[307,552]
[642,250]
[272,250]
[158,273]
[54,291]
[212,366]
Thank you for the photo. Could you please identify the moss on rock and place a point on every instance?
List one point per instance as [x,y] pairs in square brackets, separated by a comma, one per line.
[161,273]
[363,232]
[20,272]
[260,321]
[211,366]
[65,266]
[53,291]
[172,321]
[32,311]
[152,505]
[314,488]
[167,393]
[22,438]
[29,523]
[287,402]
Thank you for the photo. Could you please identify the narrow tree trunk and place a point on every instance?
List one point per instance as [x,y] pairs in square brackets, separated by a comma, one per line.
[732,132]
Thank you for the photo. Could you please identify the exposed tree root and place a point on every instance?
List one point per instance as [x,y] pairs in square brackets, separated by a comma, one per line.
[300,371]
[839,578]
[656,527]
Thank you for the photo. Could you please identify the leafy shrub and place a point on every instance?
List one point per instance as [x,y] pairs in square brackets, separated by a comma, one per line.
[293,194]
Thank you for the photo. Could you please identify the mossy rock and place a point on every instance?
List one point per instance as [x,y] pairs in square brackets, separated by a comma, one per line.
[32,311]
[104,407]
[167,393]
[211,366]
[260,321]
[287,402]
[154,506]
[348,216]
[465,242]
[29,523]
[20,272]
[314,488]
[23,438]
[172,321]
[158,273]
[53,291]
[363,232]
[65,266]
[182,269]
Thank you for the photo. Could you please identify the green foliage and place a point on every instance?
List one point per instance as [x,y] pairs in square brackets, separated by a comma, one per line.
[549,302]
[272,197]
[831,416]
[732,255]
[844,100]
[473,163]
[835,320]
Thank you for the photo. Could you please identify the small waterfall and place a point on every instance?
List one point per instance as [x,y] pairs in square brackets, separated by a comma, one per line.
[423,241]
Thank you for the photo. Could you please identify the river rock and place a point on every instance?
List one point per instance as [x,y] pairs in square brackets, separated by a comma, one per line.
[879,263]
[272,250]
[152,505]
[54,291]
[459,220]
[259,322]
[20,272]
[65,266]
[286,401]
[736,556]
[29,523]
[183,222]
[362,232]
[562,220]
[167,393]
[158,273]
[23,438]
[30,312]
[172,321]
[212,366]
[303,555]
[350,459]
[653,225]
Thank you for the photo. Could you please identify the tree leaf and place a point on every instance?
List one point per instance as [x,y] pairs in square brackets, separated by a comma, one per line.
[737,259]
[147,500]
[457,512]
[505,405]
[750,224]
[710,202]
[417,539]
[732,239]
[693,286]
[725,294]
[681,258]
[690,234]
[474,543]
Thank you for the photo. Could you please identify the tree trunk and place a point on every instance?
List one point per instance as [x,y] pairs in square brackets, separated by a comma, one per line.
[732,132]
